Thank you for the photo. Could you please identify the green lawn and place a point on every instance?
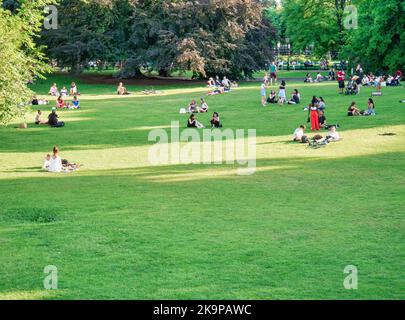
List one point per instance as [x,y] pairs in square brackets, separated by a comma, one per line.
[122,228]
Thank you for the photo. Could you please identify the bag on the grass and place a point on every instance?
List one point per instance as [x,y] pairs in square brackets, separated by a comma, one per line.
[182,111]
[318,137]
[304,139]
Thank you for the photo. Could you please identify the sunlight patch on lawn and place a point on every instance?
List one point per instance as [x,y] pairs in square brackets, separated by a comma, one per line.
[27,295]
[354,143]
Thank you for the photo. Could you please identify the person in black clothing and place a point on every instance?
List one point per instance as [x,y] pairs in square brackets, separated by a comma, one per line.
[35,101]
[322,119]
[215,122]
[53,120]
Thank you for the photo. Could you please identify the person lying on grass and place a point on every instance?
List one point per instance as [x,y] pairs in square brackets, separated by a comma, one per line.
[332,136]
[215,121]
[53,120]
[38,118]
[299,134]
[39,102]
[193,123]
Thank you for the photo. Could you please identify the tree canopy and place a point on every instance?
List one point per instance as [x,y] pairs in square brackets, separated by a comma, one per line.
[20,57]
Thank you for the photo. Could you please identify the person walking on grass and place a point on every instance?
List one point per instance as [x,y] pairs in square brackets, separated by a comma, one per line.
[273,73]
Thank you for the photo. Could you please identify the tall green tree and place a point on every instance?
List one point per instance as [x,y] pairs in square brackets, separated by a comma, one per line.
[89,30]
[379,41]
[206,37]
[20,58]
[315,22]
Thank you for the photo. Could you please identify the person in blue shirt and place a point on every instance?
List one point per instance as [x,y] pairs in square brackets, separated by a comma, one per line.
[75,103]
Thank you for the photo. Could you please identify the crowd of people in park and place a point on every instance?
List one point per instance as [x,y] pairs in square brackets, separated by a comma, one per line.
[316,108]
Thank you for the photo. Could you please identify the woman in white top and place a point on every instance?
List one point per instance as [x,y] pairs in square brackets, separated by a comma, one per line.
[55,163]
[204,106]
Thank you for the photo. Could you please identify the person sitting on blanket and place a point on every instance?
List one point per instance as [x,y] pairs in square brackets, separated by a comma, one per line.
[55,162]
[204,106]
[299,134]
[215,122]
[192,107]
[193,123]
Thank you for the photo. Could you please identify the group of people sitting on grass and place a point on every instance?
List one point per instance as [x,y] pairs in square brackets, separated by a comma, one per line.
[331,136]
[281,97]
[194,108]
[73,91]
[215,122]
[353,110]
[218,86]
[62,104]
[55,164]
[319,78]
[382,80]
[52,121]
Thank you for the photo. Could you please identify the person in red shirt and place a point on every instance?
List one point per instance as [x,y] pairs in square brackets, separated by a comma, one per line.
[341,77]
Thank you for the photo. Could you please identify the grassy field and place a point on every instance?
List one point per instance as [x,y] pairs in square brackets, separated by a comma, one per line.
[122,228]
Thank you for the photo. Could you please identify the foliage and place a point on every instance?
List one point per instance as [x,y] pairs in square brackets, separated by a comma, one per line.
[379,41]
[20,58]
[88,30]
[315,22]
